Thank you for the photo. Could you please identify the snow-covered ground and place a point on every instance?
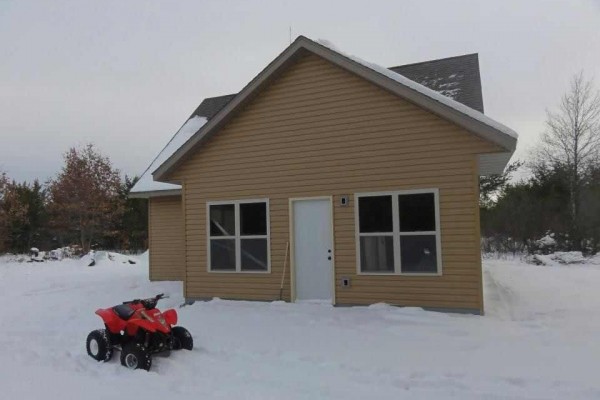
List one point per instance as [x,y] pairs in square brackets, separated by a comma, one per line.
[539,340]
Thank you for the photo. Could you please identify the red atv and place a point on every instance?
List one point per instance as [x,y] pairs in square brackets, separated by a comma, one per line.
[138,329]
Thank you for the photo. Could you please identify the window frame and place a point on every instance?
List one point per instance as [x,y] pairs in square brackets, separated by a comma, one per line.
[396,234]
[238,237]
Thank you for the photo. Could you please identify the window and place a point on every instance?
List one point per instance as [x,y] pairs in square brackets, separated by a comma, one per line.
[238,236]
[398,232]
[376,233]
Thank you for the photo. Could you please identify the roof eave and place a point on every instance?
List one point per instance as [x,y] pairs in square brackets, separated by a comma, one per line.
[154,193]
[493,163]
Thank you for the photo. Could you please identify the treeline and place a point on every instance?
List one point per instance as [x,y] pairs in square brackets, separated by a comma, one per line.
[560,199]
[85,204]
[528,210]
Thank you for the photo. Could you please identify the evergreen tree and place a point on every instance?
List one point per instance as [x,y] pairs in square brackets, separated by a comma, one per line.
[134,223]
[27,205]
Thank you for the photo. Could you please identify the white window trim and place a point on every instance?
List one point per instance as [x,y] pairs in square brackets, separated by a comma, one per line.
[238,237]
[396,231]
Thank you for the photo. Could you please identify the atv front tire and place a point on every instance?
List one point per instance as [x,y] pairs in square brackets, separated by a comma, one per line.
[136,356]
[98,345]
[182,338]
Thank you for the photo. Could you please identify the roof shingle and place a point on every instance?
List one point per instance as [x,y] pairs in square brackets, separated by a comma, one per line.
[455,77]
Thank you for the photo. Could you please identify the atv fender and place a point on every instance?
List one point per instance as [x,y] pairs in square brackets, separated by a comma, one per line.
[111,320]
[170,317]
[132,326]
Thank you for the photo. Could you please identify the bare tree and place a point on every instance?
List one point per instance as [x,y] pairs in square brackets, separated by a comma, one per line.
[572,138]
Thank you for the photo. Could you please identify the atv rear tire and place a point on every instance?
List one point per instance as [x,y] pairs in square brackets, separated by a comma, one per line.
[136,356]
[182,338]
[98,345]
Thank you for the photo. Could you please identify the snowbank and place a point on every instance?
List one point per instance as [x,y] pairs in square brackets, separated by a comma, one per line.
[558,258]
[94,258]
[546,241]
[64,252]
[67,253]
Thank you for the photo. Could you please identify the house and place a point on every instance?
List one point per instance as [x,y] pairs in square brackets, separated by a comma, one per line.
[364,178]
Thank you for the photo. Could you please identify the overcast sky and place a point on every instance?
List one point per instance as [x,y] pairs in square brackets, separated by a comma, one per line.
[125,75]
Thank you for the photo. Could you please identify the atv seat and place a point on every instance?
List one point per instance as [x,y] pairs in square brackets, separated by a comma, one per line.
[124,311]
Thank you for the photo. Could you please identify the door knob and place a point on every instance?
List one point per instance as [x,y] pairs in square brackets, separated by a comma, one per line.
[329,258]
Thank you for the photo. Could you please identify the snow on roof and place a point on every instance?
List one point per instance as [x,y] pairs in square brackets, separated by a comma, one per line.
[424,90]
[146,183]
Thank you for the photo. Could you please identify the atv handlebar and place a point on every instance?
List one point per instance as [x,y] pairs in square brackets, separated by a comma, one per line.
[148,303]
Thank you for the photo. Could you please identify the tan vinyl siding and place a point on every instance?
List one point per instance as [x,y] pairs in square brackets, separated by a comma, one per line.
[167,240]
[319,130]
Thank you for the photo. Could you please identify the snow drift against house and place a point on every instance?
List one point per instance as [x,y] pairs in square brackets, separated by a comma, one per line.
[146,183]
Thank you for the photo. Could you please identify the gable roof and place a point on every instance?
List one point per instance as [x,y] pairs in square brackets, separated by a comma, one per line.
[447,108]
[455,77]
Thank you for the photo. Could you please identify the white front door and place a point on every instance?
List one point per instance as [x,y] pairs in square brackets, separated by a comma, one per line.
[313,249]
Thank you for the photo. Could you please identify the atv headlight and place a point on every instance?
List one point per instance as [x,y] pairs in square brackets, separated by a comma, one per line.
[144,315]
[162,321]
